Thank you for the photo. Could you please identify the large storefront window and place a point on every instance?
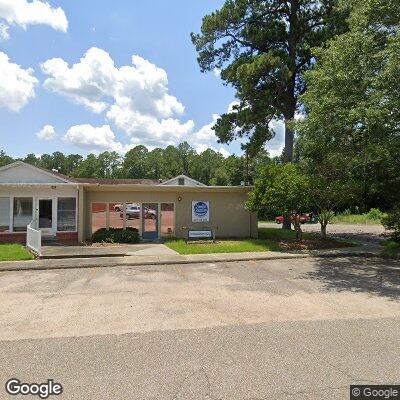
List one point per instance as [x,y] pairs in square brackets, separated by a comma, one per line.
[23,207]
[99,216]
[132,215]
[66,214]
[4,214]
[167,219]
[115,215]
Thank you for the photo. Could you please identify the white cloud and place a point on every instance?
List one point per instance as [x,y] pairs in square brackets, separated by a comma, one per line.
[24,13]
[206,133]
[224,152]
[87,82]
[277,143]
[46,133]
[4,35]
[94,138]
[135,96]
[17,85]
[217,72]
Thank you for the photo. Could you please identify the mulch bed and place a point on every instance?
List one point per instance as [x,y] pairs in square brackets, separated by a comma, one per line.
[310,244]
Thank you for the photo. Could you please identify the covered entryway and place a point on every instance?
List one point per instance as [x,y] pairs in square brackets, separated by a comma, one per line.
[44,216]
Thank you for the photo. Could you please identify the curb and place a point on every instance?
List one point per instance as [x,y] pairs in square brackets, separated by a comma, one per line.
[132,263]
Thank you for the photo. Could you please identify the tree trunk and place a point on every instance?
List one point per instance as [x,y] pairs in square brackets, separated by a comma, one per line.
[286,222]
[288,151]
[323,230]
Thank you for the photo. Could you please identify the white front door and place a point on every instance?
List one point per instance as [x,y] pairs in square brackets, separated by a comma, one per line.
[44,216]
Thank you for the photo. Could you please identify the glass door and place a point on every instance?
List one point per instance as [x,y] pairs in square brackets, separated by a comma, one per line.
[45,216]
[150,221]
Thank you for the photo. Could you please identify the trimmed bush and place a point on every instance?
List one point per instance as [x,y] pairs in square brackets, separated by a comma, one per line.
[116,235]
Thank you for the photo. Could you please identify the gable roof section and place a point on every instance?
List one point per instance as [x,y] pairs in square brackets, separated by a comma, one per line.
[188,181]
[20,172]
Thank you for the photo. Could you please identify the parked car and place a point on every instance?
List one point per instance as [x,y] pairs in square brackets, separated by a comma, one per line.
[150,213]
[118,207]
[304,218]
[132,211]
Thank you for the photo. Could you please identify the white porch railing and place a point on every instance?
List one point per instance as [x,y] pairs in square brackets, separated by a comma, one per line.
[34,238]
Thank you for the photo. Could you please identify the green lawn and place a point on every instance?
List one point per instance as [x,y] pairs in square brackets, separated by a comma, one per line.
[221,246]
[355,219]
[14,252]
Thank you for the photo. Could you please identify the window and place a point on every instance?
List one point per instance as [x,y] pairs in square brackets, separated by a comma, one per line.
[66,214]
[132,215]
[167,219]
[4,214]
[99,216]
[181,181]
[115,215]
[23,207]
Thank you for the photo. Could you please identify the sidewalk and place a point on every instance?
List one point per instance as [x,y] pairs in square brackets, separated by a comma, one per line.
[167,259]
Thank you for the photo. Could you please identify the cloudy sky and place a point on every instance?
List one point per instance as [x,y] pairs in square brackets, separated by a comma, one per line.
[81,76]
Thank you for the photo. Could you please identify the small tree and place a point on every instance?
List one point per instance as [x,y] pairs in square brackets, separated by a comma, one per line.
[282,189]
[392,222]
[327,195]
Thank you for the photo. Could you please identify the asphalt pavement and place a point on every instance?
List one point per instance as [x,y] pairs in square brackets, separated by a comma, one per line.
[275,329]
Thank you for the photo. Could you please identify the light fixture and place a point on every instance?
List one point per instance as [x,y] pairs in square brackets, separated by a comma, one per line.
[179,198]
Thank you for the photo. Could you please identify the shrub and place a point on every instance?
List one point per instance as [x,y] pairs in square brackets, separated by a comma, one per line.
[116,235]
[392,222]
[375,214]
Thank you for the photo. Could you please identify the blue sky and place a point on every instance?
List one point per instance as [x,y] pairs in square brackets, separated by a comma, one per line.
[70,84]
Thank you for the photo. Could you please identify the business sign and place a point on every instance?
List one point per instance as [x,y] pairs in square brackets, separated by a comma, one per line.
[200,211]
[199,234]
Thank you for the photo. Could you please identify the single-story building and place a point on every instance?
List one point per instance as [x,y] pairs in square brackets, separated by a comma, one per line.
[71,209]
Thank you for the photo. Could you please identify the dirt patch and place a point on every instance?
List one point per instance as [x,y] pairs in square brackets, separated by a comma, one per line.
[311,244]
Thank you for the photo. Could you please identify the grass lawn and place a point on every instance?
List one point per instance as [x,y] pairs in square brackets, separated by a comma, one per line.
[270,239]
[222,246]
[355,219]
[14,252]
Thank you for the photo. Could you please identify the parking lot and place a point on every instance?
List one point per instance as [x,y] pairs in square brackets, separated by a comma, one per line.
[266,329]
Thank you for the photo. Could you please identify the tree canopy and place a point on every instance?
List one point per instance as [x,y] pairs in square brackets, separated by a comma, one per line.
[352,104]
[208,167]
[263,49]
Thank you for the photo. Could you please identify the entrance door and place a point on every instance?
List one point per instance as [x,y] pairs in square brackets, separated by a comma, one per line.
[45,216]
[150,221]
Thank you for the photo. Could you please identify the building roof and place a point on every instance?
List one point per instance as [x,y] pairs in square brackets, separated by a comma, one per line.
[109,181]
[28,174]
[187,181]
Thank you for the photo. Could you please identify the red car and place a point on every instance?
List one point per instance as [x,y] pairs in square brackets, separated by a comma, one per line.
[304,218]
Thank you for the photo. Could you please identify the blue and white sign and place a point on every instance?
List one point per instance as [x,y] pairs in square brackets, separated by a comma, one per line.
[200,211]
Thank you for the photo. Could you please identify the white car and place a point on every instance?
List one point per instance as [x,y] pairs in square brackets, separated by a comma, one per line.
[131,211]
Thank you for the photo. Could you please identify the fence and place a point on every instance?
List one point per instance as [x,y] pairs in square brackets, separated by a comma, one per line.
[34,239]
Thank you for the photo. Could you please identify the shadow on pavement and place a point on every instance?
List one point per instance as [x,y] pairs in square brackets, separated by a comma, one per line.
[375,276]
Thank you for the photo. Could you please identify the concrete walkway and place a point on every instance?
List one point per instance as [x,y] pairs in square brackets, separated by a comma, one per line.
[139,259]
[142,249]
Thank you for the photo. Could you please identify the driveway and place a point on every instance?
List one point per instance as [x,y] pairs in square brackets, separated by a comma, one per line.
[282,329]
[362,233]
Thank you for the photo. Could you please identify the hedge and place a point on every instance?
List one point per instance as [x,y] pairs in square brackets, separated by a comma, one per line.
[116,235]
